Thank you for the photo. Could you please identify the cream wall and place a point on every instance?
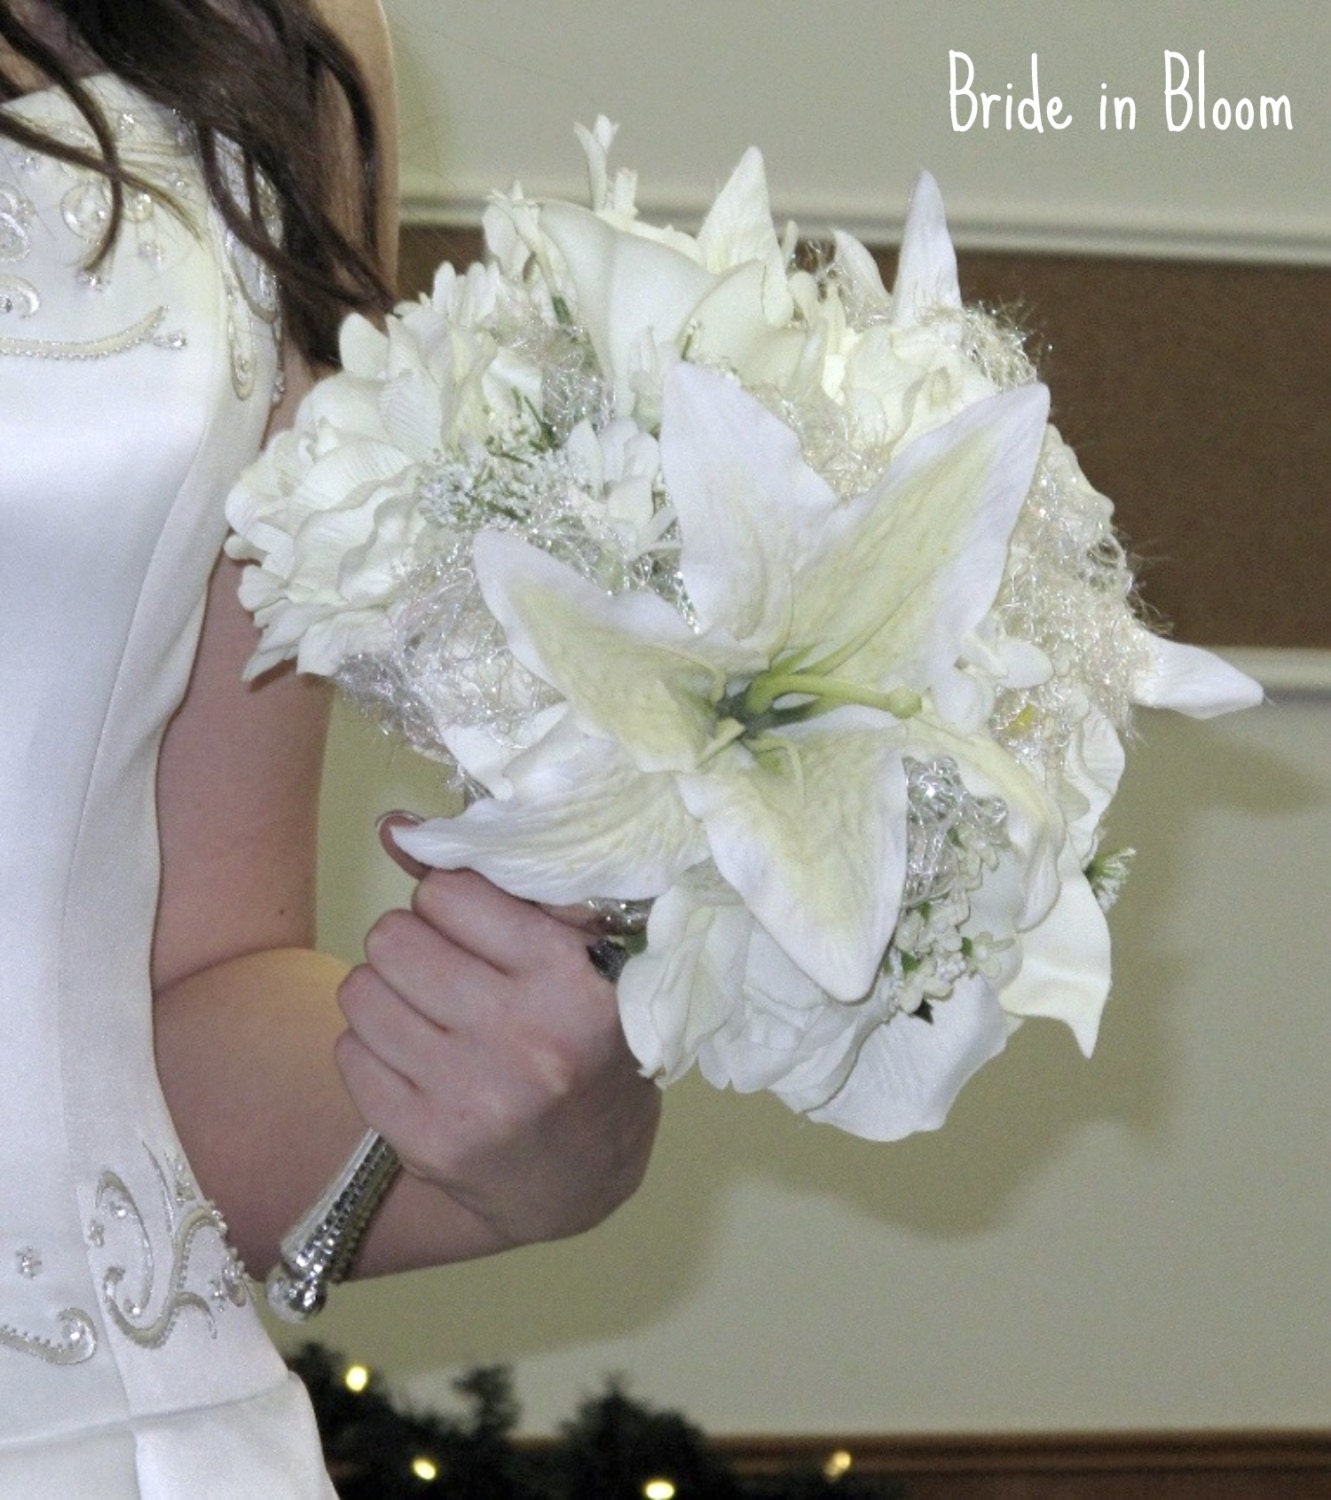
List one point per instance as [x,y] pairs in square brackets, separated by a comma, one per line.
[1138,1241]
[848,98]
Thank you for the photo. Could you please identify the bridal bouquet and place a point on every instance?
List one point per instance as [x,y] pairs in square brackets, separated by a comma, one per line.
[750,589]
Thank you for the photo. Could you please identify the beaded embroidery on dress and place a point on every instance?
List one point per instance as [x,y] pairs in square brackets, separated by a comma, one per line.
[83,200]
[132,1361]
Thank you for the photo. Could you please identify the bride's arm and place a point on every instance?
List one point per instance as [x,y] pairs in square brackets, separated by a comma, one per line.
[481,1041]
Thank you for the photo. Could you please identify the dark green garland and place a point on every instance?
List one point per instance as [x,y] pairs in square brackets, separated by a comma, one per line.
[610,1450]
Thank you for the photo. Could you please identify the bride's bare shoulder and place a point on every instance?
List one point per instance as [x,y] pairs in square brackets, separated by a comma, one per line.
[362,25]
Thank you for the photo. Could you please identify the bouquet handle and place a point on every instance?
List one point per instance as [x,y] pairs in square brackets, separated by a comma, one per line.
[320,1250]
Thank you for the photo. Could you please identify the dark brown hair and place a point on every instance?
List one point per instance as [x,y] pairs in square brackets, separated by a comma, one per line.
[266,75]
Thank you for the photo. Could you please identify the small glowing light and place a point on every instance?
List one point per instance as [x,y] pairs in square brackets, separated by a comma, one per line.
[425,1468]
[837,1464]
[356,1378]
[659,1489]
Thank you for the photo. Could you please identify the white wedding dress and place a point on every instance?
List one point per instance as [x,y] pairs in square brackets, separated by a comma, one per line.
[132,1362]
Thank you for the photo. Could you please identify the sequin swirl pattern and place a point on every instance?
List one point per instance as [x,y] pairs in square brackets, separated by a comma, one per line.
[85,207]
[142,1304]
[252,293]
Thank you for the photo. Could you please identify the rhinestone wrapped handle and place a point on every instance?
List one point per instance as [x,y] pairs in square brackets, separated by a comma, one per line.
[320,1250]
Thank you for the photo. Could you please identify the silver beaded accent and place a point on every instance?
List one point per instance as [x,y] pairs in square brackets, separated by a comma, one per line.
[84,212]
[145,331]
[16,213]
[19,296]
[145,1311]
[953,839]
[252,293]
[76,1342]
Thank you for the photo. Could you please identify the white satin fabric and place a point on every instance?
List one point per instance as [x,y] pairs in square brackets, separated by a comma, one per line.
[132,1362]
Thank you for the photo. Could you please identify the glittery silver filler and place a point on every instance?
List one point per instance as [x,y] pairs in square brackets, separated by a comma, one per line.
[953,838]
[449,662]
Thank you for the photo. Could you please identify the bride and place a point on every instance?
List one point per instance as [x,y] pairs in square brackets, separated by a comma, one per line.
[190,198]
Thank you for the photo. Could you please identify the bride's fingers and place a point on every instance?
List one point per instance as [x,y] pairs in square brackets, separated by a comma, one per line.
[385,1098]
[397,1033]
[506,932]
[386,825]
[445,980]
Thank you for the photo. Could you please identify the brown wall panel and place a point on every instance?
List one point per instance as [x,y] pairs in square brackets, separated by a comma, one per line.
[1198,397]
[1072,1466]
[1058,1466]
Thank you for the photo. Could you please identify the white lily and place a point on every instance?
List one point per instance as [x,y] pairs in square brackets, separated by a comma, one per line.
[641,291]
[775,730]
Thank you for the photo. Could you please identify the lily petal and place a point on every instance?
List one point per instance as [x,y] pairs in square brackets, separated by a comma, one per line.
[1093,768]
[927,264]
[628,663]
[581,821]
[624,284]
[911,567]
[485,758]
[727,461]
[811,833]
[730,328]
[1065,960]
[739,228]
[858,270]
[1193,681]
[688,983]
[909,1071]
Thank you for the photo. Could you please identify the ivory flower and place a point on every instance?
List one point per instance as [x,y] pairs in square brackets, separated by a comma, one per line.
[765,594]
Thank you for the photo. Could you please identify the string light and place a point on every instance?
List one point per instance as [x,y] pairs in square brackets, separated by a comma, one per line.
[659,1489]
[837,1464]
[425,1468]
[356,1378]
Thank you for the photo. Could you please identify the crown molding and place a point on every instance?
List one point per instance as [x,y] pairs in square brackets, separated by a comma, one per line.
[975,224]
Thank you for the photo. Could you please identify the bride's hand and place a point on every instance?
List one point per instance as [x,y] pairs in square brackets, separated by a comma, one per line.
[487,1049]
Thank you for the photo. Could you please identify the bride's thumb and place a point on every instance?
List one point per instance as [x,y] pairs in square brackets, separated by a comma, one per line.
[387,825]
